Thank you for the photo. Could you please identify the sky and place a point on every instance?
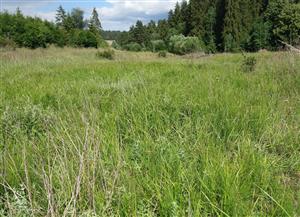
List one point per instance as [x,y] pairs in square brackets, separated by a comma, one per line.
[114,14]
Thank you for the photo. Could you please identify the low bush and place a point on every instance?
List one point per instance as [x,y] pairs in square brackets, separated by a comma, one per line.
[81,38]
[162,54]
[158,45]
[7,44]
[101,42]
[248,64]
[106,54]
[133,47]
[180,44]
[116,46]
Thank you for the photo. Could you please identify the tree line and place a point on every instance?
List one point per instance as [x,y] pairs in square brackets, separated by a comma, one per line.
[70,28]
[221,26]
[207,25]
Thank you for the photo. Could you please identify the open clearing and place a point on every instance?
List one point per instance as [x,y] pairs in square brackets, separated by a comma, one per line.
[148,136]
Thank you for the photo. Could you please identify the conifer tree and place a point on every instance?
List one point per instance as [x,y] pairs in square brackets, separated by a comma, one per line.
[94,23]
[60,16]
[209,30]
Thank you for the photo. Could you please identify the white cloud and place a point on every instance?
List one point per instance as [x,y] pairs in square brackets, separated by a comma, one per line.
[44,15]
[29,8]
[23,5]
[117,15]
[123,13]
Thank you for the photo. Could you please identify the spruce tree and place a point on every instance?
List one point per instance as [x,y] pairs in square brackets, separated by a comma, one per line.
[209,30]
[60,16]
[199,9]
[186,17]
[94,23]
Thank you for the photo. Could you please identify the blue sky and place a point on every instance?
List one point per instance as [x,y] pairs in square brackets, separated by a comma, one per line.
[114,14]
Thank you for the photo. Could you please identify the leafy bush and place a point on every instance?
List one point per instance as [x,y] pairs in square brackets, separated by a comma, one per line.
[101,42]
[81,38]
[180,44]
[162,54]
[35,34]
[158,45]
[116,46]
[7,44]
[106,54]
[133,47]
[258,37]
[248,64]
[230,44]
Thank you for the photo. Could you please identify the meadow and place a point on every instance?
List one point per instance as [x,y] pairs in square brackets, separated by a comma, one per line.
[147,136]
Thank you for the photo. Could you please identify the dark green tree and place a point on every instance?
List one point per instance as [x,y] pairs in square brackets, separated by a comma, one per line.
[140,34]
[94,23]
[77,18]
[60,17]
[284,18]
[209,30]
[162,29]
[185,17]
[259,36]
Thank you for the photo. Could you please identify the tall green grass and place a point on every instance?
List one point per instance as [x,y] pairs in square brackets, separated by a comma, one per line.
[145,136]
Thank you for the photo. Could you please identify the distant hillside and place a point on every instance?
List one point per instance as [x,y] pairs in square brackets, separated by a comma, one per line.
[110,35]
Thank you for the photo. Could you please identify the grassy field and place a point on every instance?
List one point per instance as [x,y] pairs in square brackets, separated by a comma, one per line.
[148,136]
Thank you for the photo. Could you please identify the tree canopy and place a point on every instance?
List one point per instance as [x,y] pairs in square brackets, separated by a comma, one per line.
[219,25]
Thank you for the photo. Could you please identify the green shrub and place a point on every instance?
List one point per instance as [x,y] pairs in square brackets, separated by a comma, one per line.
[158,45]
[162,54]
[35,34]
[133,47]
[7,44]
[101,42]
[81,38]
[106,54]
[248,64]
[180,44]
[116,46]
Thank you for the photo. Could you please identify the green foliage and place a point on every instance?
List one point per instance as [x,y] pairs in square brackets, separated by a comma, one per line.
[94,23]
[68,30]
[7,44]
[248,64]
[180,44]
[221,25]
[133,47]
[77,18]
[284,18]
[35,34]
[230,44]
[139,33]
[101,43]
[106,54]
[110,35]
[116,46]
[81,38]
[259,36]
[209,34]
[162,54]
[158,45]
[60,17]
